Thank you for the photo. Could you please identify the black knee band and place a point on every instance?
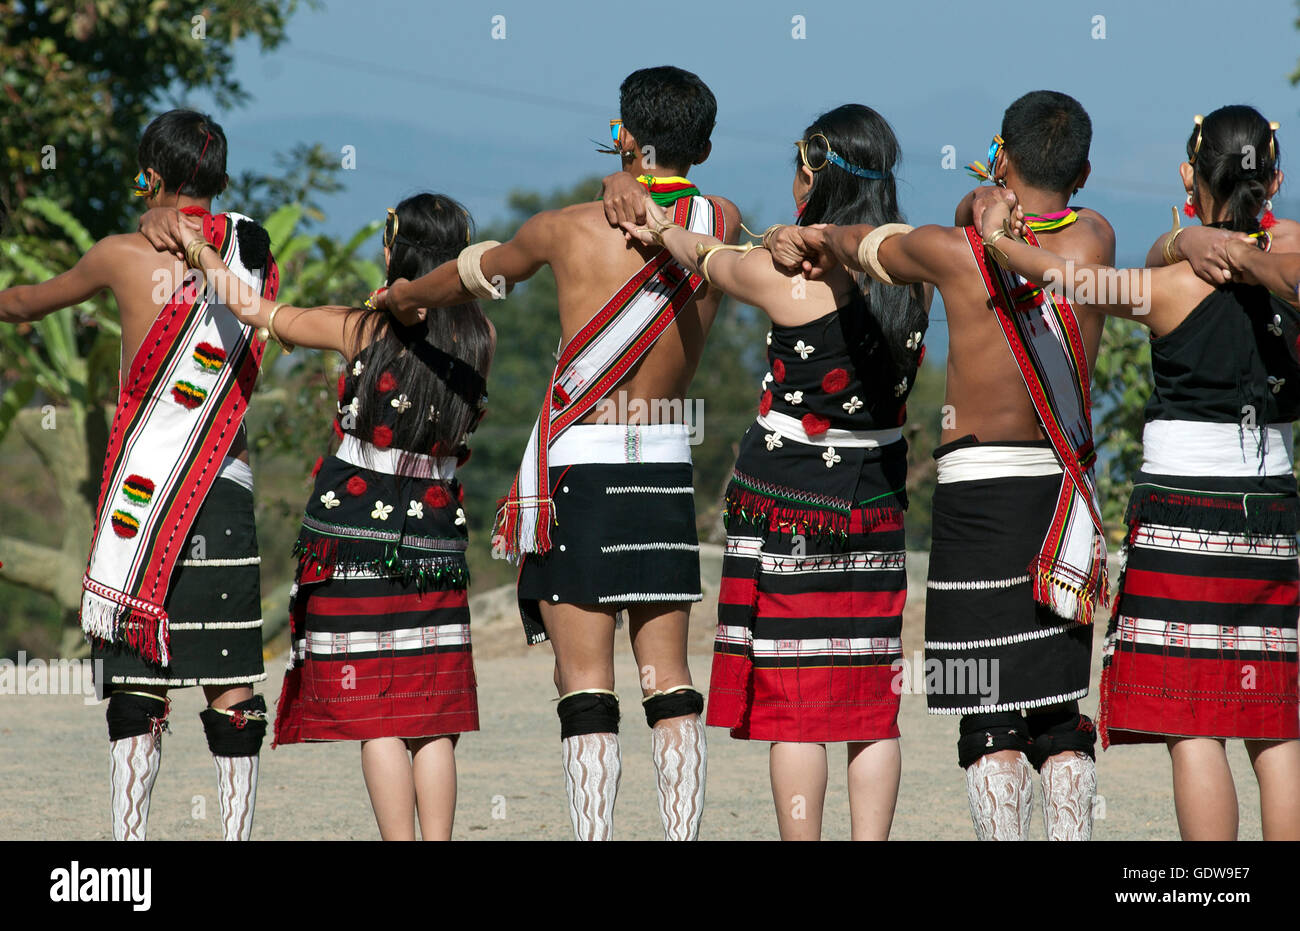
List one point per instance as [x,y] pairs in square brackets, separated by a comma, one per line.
[587,713]
[130,715]
[672,704]
[1058,732]
[238,731]
[982,734]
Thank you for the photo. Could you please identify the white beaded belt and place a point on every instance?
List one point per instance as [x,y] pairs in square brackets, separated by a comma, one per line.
[1189,447]
[977,463]
[366,455]
[791,428]
[588,443]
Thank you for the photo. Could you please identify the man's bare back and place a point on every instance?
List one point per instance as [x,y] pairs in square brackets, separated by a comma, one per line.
[591,261]
[985,392]
[138,275]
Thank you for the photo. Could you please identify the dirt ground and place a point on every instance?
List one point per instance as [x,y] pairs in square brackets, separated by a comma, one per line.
[54,763]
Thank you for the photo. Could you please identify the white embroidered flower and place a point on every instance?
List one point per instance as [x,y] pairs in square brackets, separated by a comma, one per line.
[330,500]
[401,402]
[416,509]
[1275,384]
[381,511]
[852,405]
[433,413]
[914,341]
[358,367]
[773,440]
[794,397]
[830,456]
[900,388]
[803,349]
[353,408]
[460,516]
[766,378]
[1276,326]
[769,337]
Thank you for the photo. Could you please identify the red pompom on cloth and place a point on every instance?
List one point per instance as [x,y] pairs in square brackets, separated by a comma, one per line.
[921,357]
[315,470]
[387,382]
[342,378]
[814,425]
[437,497]
[1267,221]
[765,403]
[835,380]
[902,414]
[460,492]
[382,437]
[356,486]
[338,430]
[778,370]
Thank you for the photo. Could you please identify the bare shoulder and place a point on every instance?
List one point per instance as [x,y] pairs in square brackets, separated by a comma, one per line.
[937,238]
[1100,227]
[1286,236]
[730,212]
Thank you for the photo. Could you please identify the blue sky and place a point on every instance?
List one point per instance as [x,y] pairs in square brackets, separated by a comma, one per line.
[431,101]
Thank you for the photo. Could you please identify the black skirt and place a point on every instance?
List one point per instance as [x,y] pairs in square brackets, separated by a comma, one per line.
[980,603]
[214,606]
[623,534]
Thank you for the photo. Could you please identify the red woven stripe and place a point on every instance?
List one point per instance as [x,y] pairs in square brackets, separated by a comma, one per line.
[832,604]
[1215,589]
[339,606]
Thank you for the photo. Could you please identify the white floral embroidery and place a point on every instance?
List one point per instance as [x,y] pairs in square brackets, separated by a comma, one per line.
[803,349]
[914,341]
[852,405]
[460,516]
[769,337]
[1276,326]
[416,509]
[900,388]
[330,500]
[1275,384]
[433,413]
[401,402]
[358,367]
[830,456]
[381,511]
[794,397]
[766,378]
[354,408]
[773,440]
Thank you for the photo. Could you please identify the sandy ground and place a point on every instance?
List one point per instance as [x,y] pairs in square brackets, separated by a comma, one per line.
[54,764]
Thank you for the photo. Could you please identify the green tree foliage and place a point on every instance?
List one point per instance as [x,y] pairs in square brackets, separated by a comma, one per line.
[85,76]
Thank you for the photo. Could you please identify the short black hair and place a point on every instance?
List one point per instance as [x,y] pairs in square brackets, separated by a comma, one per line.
[172,145]
[671,110]
[1047,135]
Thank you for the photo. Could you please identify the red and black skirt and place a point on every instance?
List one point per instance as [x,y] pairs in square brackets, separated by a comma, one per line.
[1202,641]
[810,612]
[379,612]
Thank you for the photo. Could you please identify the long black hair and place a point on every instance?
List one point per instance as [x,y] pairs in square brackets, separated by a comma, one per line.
[1234,163]
[863,138]
[440,362]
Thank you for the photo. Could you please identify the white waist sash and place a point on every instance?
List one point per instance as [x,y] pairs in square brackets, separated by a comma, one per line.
[976,463]
[366,455]
[589,443]
[237,471]
[792,429]
[1189,447]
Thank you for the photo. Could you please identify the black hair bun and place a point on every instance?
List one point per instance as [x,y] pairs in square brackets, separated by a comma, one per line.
[254,244]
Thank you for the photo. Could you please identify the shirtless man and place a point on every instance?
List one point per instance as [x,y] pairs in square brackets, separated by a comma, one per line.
[1002,617]
[601,513]
[171,594]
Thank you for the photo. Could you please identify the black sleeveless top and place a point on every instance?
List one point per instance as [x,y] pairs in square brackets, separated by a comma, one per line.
[1233,357]
[837,372]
